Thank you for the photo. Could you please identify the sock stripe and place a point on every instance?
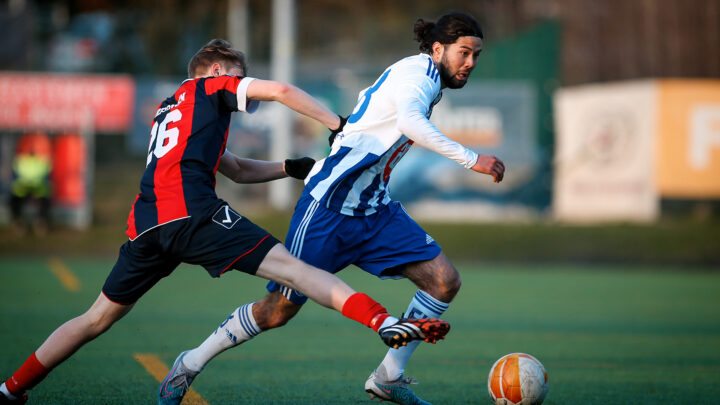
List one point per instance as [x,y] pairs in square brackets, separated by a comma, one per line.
[431,303]
[286,291]
[245,320]
[251,328]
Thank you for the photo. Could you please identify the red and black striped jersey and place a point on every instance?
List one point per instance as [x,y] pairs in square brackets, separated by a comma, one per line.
[188,137]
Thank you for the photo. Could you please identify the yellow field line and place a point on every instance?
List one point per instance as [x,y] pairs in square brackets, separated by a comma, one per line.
[64,274]
[159,370]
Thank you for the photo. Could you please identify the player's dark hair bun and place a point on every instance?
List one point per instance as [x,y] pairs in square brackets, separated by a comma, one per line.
[446,30]
[423,33]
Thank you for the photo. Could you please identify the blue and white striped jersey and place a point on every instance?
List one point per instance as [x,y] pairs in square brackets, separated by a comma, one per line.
[389,117]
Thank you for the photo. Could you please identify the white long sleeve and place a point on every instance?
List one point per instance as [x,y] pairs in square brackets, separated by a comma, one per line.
[412,122]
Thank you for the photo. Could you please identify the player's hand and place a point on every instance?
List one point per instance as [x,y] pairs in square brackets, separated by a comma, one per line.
[298,168]
[489,164]
[334,132]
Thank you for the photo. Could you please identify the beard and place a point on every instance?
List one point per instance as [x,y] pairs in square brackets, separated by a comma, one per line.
[449,80]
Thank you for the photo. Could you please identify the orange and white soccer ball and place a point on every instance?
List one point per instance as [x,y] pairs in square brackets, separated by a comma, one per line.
[518,379]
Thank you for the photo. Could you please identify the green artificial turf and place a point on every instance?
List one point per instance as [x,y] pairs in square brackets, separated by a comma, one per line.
[606,335]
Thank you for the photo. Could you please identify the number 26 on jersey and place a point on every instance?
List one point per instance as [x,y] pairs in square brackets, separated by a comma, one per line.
[163,139]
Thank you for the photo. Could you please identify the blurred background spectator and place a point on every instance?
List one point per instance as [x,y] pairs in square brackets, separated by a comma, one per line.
[30,186]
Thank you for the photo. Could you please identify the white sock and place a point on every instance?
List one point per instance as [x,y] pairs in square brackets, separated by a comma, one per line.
[239,327]
[390,320]
[423,305]
[7,393]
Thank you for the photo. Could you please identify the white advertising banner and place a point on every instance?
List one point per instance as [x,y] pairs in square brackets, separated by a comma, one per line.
[605,152]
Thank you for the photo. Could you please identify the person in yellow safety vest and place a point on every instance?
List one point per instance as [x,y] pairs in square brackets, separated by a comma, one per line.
[31,182]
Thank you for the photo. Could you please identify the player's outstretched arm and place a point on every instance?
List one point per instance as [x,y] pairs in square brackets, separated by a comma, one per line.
[294,98]
[413,122]
[242,170]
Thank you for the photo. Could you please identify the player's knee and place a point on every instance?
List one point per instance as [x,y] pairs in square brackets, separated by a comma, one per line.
[446,285]
[453,285]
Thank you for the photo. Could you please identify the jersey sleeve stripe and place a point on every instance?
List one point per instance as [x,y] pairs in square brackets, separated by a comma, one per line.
[241,92]
[168,176]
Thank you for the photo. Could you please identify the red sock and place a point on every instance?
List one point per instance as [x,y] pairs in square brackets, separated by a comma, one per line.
[31,373]
[359,307]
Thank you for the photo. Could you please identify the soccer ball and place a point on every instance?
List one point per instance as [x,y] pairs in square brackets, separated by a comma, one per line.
[518,379]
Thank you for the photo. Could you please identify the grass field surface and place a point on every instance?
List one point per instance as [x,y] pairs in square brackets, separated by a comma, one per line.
[606,335]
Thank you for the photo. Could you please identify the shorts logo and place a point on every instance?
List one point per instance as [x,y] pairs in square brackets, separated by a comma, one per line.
[226,217]
[429,239]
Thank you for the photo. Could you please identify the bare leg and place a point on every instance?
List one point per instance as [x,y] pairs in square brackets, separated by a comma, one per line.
[62,343]
[318,285]
[73,334]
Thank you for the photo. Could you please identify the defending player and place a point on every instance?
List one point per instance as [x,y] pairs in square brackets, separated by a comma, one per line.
[345,215]
[177,217]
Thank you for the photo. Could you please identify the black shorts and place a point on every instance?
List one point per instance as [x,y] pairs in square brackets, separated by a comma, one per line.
[219,242]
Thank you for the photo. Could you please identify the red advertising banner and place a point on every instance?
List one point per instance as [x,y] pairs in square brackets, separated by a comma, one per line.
[57,102]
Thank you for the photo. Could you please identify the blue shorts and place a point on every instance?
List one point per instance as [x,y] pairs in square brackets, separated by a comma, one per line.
[219,241]
[381,243]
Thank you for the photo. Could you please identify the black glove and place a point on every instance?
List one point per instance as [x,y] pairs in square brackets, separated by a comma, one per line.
[299,168]
[334,132]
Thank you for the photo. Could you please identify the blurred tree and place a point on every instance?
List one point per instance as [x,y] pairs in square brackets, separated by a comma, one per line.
[600,41]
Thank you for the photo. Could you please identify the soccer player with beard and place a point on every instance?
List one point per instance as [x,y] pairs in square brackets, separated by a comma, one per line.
[345,215]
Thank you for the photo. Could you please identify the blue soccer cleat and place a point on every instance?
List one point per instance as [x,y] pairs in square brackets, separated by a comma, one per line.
[177,383]
[396,391]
